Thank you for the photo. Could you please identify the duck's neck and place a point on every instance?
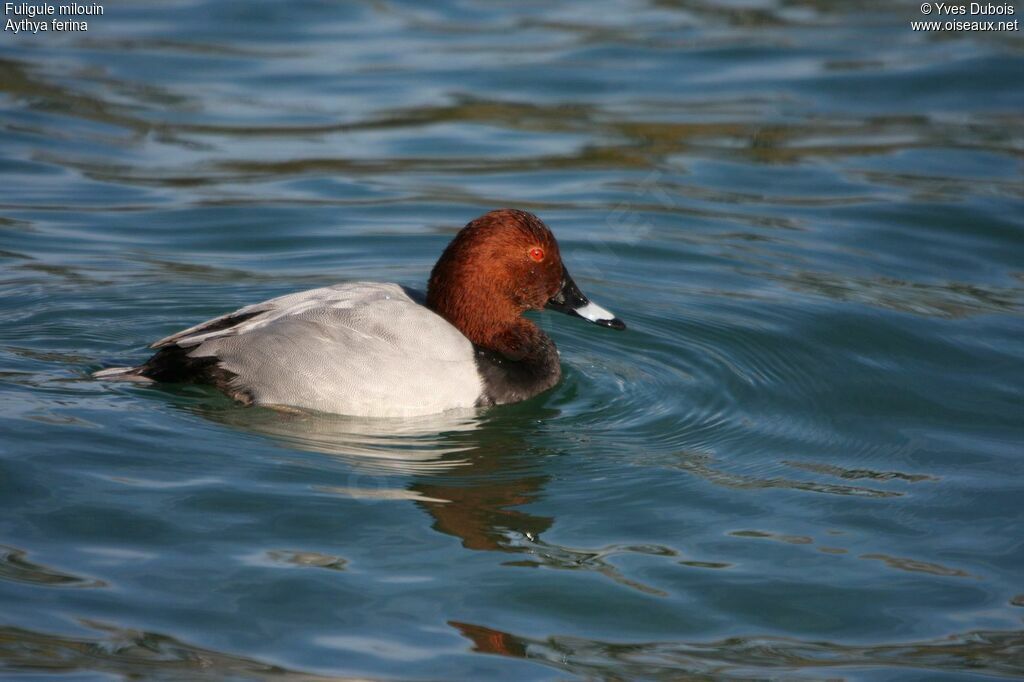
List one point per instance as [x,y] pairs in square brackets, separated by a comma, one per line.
[499,329]
[515,359]
[475,305]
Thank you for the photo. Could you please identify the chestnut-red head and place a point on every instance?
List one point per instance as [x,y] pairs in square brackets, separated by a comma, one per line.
[499,266]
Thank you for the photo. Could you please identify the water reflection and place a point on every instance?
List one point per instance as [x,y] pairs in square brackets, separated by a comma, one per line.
[588,138]
[469,472]
[473,474]
[427,444]
[15,565]
[701,464]
[951,300]
[978,652]
[134,653]
[131,654]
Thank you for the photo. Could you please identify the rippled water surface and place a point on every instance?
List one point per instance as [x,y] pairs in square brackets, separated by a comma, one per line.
[803,459]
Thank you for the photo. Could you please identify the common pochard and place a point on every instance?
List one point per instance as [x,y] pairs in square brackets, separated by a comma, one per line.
[379,350]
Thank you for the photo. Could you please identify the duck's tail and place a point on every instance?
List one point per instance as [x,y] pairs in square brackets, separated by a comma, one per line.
[121,374]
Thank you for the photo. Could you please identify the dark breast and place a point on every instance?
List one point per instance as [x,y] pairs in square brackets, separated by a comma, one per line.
[511,381]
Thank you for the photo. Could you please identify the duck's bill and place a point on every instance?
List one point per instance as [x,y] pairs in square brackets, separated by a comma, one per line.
[571,301]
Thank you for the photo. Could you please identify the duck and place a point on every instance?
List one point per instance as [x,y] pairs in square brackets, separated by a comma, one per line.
[372,349]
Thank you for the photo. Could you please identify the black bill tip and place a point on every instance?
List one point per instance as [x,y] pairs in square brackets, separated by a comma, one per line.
[614,323]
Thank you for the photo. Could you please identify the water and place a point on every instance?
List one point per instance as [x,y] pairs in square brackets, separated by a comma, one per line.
[802,460]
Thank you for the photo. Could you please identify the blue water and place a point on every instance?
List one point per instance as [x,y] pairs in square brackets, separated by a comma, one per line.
[803,460]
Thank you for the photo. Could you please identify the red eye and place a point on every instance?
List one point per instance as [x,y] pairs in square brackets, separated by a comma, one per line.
[537,254]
